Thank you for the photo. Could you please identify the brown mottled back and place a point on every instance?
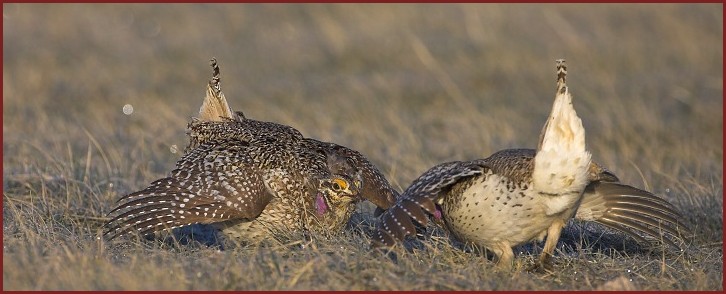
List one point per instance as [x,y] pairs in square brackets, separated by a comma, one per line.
[312,155]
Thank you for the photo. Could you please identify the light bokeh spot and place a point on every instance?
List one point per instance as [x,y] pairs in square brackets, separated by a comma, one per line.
[128,109]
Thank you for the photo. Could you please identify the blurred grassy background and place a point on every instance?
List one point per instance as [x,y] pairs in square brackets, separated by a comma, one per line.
[409,86]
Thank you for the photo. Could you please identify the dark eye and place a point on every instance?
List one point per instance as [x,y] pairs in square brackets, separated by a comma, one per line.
[336,186]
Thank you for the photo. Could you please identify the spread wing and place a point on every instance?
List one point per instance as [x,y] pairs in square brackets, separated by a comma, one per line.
[631,211]
[395,224]
[213,182]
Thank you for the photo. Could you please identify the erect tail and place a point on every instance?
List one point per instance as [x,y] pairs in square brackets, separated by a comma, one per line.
[562,158]
[215,107]
[632,211]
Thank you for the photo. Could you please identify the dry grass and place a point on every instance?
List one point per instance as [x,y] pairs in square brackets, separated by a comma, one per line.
[408,85]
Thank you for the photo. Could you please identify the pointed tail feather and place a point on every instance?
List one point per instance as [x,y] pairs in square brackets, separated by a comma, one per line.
[215,107]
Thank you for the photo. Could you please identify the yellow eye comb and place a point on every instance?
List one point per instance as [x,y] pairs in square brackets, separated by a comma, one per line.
[342,183]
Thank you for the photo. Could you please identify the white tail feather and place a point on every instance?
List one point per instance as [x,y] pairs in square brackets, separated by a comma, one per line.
[562,158]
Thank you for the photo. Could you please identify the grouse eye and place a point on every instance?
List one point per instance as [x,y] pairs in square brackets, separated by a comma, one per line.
[339,184]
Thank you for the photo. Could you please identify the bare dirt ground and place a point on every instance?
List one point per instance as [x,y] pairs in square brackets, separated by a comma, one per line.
[409,86]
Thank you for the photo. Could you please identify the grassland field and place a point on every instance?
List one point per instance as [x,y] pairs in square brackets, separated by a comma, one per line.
[408,85]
